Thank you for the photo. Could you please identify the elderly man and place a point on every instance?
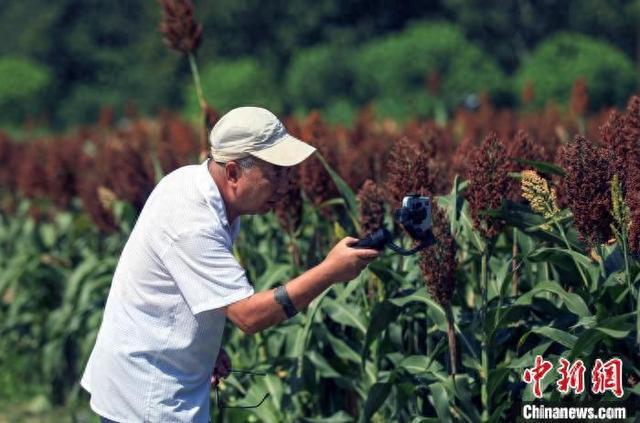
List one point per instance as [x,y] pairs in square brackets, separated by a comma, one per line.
[177,280]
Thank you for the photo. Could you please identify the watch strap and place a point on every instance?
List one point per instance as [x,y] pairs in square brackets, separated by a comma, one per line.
[282,298]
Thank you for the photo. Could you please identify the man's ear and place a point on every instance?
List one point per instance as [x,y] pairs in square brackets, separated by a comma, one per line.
[232,172]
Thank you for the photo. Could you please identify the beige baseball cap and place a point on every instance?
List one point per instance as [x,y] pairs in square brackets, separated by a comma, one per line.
[254,131]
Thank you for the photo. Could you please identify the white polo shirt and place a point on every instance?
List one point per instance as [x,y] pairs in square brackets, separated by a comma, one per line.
[162,323]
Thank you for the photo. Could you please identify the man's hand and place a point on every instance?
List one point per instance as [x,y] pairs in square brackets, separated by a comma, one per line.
[344,263]
[222,367]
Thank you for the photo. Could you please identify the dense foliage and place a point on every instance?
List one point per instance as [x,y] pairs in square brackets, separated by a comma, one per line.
[231,83]
[109,54]
[536,212]
[441,335]
[562,59]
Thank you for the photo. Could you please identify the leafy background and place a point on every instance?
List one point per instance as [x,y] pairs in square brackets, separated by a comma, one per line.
[95,110]
[77,57]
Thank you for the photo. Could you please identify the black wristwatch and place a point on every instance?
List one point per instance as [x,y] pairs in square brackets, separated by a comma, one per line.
[282,298]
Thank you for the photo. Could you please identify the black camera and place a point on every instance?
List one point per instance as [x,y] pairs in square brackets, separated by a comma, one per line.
[415,217]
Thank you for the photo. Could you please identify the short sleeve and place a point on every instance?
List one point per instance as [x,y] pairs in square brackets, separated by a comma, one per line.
[206,272]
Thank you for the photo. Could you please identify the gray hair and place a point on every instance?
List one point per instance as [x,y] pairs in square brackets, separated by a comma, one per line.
[245,163]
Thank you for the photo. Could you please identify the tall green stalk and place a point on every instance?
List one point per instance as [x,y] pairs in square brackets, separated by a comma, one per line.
[451,337]
[196,79]
[630,287]
[632,291]
[566,241]
[484,389]
[638,319]
[201,101]
[627,271]
[514,263]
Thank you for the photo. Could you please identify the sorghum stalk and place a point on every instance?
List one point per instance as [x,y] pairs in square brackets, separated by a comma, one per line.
[514,263]
[438,265]
[484,388]
[201,101]
[637,319]
[621,218]
[295,250]
[451,338]
[196,80]
[566,241]
[182,33]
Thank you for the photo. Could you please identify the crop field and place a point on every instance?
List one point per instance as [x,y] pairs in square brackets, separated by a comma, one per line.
[528,149]
[537,223]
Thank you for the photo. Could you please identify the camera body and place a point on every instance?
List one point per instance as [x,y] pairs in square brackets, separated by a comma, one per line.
[415,216]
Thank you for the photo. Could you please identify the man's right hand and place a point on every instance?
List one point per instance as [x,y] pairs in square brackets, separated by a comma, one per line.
[344,263]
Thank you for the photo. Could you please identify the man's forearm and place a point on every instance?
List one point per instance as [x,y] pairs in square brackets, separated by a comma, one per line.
[261,311]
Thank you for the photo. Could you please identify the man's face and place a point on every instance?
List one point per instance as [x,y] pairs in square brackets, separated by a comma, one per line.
[262,187]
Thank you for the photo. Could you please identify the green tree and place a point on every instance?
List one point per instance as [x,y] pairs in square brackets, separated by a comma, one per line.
[508,31]
[99,54]
[394,69]
[22,88]
[559,61]
[320,75]
[233,83]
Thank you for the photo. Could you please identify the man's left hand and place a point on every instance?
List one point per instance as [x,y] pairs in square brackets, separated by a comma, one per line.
[222,367]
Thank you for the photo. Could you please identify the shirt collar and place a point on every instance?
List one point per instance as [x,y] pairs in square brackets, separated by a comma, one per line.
[213,198]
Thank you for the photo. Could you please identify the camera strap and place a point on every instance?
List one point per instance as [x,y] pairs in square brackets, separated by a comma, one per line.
[403,252]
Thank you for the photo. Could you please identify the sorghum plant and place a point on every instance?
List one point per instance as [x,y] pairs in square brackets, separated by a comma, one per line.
[409,170]
[579,102]
[176,143]
[124,167]
[181,31]
[613,140]
[488,182]
[587,189]
[289,209]
[60,169]
[631,136]
[31,180]
[316,182]
[438,261]
[438,267]
[542,199]
[371,203]
[522,147]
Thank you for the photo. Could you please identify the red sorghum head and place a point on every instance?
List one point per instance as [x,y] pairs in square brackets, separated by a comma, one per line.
[289,209]
[438,261]
[488,183]
[371,203]
[409,170]
[180,30]
[587,188]
[579,102]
